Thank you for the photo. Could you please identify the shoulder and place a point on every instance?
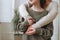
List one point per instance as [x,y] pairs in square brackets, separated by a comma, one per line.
[25,4]
[53,4]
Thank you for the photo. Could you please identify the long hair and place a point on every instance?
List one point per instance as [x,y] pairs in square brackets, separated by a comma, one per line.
[42,3]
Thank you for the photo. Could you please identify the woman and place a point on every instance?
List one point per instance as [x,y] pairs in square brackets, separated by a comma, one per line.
[51,6]
[38,8]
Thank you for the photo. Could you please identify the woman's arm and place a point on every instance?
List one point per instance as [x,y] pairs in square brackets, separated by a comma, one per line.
[23,10]
[48,18]
[46,31]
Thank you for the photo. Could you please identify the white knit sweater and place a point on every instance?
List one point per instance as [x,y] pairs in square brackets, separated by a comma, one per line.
[53,11]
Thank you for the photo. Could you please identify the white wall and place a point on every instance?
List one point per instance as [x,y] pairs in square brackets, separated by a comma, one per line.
[59,20]
[55,36]
[0,9]
[6,14]
[6,10]
[18,2]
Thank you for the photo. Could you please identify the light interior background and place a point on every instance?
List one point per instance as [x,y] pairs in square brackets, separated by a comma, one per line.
[6,14]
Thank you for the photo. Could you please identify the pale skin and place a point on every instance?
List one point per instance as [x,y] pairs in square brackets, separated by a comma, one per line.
[31,29]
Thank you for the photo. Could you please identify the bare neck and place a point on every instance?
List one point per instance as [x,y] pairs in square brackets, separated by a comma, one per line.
[37,7]
[47,3]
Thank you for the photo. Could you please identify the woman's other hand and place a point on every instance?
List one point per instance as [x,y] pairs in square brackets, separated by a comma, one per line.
[30,20]
[30,31]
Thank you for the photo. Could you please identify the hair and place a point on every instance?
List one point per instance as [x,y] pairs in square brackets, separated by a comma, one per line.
[42,3]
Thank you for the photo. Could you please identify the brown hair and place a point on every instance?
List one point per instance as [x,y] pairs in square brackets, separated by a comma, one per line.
[42,3]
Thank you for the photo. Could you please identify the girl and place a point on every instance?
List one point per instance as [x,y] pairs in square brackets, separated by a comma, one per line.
[39,13]
[50,6]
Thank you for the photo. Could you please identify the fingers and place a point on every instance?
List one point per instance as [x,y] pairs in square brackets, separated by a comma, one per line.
[30,18]
[30,22]
[30,31]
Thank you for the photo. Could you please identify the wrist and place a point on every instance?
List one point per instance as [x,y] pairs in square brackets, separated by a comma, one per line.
[34,26]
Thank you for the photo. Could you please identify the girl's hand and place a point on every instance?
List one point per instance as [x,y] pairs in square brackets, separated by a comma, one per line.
[30,31]
[30,20]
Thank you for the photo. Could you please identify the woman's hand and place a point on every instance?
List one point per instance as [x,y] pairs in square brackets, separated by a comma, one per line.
[30,20]
[30,31]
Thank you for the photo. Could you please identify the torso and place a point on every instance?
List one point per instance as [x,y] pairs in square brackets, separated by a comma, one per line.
[37,15]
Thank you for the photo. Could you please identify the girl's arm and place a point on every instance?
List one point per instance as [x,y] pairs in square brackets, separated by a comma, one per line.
[48,18]
[23,10]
